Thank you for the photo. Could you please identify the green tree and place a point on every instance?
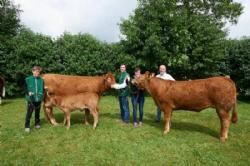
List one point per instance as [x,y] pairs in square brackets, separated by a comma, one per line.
[185,35]
[82,54]
[28,49]
[9,25]
[238,64]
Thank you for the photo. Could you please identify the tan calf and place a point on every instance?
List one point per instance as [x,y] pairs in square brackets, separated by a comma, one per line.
[69,103]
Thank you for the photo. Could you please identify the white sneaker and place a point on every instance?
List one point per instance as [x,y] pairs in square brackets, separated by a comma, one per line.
[37,126]
[27,130]
[135,124]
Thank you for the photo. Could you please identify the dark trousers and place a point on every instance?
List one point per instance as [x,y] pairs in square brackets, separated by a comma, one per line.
[30,107]
[124,108]
[137,100]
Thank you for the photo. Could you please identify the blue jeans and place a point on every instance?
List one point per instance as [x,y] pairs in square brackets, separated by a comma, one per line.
[135,101]
[124,108]
[158,114]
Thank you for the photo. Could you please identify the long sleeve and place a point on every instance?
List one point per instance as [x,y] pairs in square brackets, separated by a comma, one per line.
[169,77]
[165,77]
[121,86]
[26,87]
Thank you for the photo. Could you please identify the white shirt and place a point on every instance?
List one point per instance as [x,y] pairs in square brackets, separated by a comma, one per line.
[120,86]
[165,76]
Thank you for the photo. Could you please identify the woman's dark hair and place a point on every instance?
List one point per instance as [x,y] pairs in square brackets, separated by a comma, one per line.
[137,69]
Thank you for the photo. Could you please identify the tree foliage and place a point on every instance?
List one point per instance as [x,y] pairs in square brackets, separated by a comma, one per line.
[185,35]
[238,64]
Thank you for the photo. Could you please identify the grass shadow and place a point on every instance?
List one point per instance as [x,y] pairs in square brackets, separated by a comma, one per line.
[182,126]
[193,127]
[110,115]
[75,118]
[5,102]
[149,119]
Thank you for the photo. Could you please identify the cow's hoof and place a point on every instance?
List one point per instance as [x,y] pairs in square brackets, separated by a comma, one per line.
[222,139]
[54,123]
[86,123]
[165,132]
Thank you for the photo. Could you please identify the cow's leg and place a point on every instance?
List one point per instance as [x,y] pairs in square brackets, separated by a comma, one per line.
[0,100]
[167,119]
[95,115]
[86,117]
[50,115]
[225,123]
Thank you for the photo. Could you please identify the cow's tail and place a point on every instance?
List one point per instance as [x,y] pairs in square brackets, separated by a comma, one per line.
[3,92]
[234,117]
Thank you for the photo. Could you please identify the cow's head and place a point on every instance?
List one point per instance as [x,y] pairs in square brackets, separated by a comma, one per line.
[109,79]
[142,80]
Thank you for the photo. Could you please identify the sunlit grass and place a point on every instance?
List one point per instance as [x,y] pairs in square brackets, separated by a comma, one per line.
[193,138]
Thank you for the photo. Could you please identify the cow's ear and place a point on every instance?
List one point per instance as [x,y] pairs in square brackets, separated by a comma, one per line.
[147,74]
[152,75]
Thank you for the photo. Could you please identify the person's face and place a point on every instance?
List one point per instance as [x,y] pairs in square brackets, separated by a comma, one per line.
[36,73]
[162,69]
[122,68]
[137,73]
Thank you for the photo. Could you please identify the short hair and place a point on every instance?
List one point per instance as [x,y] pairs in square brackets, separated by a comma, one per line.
[137,69]
[36,68]
[122,65]
[163,66]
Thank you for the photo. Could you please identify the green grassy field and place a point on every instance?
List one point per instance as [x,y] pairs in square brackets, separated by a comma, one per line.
[193,138]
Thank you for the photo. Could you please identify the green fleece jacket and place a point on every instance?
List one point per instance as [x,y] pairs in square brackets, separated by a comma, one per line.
[35,86]
[123,91]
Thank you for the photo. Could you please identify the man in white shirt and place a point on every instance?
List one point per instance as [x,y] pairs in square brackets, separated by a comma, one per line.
[163,75]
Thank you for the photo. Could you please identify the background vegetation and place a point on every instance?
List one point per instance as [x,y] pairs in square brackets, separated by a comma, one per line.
[187,36]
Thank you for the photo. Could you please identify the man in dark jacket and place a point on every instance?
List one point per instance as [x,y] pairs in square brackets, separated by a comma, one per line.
[122,86]
[34,96]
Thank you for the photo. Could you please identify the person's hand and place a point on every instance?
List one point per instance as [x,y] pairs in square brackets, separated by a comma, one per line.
[30,93]
[133,81]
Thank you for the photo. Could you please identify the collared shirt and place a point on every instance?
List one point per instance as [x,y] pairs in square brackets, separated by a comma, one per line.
[165,76]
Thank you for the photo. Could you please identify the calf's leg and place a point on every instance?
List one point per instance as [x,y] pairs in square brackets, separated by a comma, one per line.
[95,115]
[50,115]
[86,116]
[67,117]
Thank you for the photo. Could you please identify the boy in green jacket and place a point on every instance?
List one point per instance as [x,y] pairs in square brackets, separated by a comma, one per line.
[34,96]
[122,87]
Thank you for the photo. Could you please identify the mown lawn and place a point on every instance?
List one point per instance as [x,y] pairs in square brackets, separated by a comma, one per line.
[193,139]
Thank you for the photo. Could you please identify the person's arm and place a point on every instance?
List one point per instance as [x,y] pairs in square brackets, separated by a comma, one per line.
[26,87]
[27,91]
[123,85]
[170,77]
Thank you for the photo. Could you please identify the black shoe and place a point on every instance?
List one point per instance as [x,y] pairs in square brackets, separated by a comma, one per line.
[157,121]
